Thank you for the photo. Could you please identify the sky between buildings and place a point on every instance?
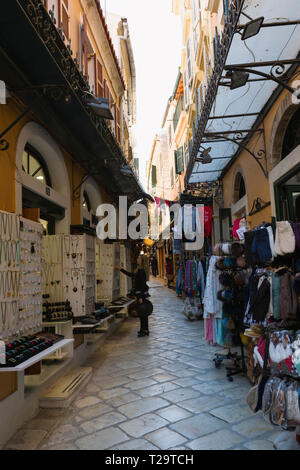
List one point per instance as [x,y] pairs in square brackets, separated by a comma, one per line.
[156,40]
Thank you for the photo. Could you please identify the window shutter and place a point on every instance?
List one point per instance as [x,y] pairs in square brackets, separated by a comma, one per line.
[179,163]
[186,90]
[118,124]
[186,154]
[85,45]
[189,62]
[153,176]
[64,17]
[226,7]
[197,104]
[172,178]
[100,87]
[105,87]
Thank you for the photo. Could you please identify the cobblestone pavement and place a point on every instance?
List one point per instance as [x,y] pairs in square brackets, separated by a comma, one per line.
[158,392]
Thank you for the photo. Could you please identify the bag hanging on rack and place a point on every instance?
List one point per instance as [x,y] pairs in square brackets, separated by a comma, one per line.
[255,394]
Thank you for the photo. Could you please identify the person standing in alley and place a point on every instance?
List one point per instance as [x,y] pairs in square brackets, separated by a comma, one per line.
[169,271]
[144,307]
[154,266]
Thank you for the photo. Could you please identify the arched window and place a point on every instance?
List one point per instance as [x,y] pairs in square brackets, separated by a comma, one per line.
[239,187]
[86,202]
[34,165]
[292,136]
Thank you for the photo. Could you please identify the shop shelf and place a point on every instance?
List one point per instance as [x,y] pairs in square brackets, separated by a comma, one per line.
[39,357]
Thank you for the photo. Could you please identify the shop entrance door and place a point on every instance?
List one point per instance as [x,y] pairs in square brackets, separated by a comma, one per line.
[49,211]
[287,195]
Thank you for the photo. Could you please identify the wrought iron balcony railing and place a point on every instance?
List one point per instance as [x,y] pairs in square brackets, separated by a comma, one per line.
[230,25]
[61,53]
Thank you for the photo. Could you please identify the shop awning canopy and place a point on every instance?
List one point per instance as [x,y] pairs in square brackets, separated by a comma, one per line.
[233,116]
[39,69]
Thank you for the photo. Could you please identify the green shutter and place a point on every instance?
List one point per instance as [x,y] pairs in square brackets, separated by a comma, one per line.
[179,163]
[154,178]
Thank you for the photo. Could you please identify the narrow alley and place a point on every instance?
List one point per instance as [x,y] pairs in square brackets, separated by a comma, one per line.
[156,392]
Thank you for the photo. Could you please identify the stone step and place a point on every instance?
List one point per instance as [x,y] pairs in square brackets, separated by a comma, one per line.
[66,389]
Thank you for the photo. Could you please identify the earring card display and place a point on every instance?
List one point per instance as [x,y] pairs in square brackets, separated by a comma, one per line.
[20,277]
[52,261]
[125,281]
[31,283]
[79,273]
[9,275]
[109,258]
[69,272]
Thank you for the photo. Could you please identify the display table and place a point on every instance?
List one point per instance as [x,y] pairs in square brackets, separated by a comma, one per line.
[38,357]
[123,308]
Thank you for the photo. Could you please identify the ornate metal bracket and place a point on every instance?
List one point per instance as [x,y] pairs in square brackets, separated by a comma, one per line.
[56,92]
[258,205]
[258,156]
[278,69]
[4,145]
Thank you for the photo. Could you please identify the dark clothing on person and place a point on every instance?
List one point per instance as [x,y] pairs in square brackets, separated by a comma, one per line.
[154,267]
[141,291]
[140,282]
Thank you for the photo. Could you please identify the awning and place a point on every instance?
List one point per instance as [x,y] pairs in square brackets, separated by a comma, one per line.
[32,55]
[231,117]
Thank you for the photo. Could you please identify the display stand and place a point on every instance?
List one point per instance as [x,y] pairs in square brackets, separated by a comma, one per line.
[107,259]
[122,309]
[61,328]
[125,263]
[38,357]
[79,276]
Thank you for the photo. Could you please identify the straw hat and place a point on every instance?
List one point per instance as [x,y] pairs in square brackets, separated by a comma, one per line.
[255,331]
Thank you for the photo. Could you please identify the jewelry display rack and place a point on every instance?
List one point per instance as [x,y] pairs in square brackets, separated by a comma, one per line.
[10,321]
[31,285]
[79,273]
[69,271]
[125,263]
[109,289]
[99,280]
[21,292]
[52,262]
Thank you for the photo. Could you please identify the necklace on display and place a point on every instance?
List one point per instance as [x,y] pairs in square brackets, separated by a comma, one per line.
[75,253]
[17,228]
[4,219]
[3,320]
[75,286]
[67,245]
[3,283]
[58,248]
[9,226]
[46,274]
[82,271]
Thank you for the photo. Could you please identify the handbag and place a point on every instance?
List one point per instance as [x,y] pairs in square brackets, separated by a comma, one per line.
[255,395]
[146,308]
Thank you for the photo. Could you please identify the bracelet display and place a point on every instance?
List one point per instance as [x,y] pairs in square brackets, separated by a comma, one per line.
[57,311]
[26,347]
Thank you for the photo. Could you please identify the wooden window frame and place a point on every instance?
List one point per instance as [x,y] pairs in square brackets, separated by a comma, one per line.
[63,6]
[99,79]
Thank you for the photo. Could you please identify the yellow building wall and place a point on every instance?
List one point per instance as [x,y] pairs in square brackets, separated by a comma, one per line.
[257,185]
[8,175]
[9,112]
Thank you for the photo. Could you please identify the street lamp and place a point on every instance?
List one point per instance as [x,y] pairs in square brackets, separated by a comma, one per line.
[205,152]
[252,28]
[238,78]
[206,159]
[126,170]
[99,106]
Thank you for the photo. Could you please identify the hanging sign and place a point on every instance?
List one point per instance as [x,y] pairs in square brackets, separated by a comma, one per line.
[2,92]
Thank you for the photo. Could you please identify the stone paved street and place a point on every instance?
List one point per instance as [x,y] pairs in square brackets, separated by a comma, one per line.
[160,392]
